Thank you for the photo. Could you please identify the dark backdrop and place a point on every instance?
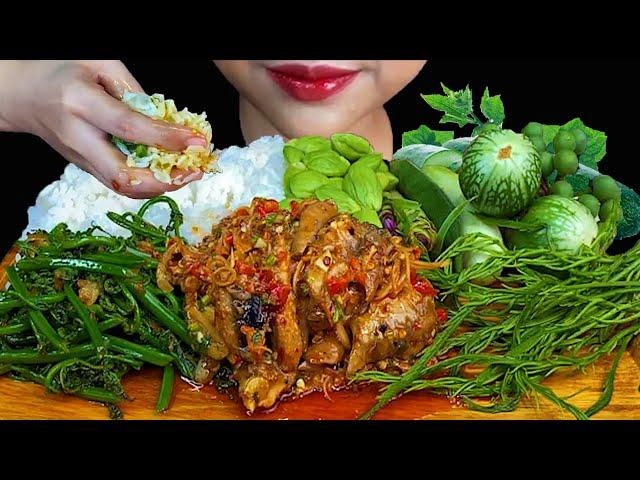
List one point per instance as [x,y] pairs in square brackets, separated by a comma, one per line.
[600,92]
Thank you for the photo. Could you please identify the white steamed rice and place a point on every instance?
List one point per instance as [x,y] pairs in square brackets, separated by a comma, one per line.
[81,201]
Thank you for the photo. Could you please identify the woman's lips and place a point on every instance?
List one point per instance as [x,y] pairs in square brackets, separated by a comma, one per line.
[311,83]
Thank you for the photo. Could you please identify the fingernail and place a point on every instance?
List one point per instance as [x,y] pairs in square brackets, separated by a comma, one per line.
[186,177]
[191,176]
[197,141]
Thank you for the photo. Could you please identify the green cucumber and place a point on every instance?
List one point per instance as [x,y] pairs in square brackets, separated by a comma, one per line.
[415,185]
[437,189]
[423,155]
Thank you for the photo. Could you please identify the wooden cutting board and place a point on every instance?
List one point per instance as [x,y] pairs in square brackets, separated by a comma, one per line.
[26,401]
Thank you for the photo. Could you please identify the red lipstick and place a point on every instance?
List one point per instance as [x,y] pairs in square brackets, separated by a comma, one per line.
[311,83]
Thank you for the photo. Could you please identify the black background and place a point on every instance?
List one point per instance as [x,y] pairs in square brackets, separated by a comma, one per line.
[601,92]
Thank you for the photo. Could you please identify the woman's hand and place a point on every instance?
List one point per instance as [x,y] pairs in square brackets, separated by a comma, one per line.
[75,105]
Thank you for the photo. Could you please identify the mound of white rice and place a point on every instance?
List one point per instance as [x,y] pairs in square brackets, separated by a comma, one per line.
[81,201]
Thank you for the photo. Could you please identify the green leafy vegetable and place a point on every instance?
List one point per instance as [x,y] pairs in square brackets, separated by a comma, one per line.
[141,151]
[492,107]
[629,226]
[53,338]
[423,135]
[457,106]
[125,147]
[368,215]
[596,141]
[580,183]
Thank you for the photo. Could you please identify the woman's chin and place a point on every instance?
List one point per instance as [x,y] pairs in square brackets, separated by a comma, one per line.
[324,125]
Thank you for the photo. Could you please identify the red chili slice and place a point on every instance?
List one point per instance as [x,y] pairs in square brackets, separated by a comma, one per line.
[265,276]
[337,285]
[244,268]
[295,209]
[425,288]
[270,206]
[442,315]
[265,207]
[199,271]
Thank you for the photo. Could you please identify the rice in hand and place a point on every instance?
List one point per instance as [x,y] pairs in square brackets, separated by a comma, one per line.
[162,162]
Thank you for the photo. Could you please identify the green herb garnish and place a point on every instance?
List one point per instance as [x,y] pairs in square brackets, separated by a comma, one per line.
[564,311]
[457,107]
[337,311]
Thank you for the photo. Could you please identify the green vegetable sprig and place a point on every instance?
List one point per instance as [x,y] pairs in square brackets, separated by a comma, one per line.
[51,337]
[457,107]
[559,311]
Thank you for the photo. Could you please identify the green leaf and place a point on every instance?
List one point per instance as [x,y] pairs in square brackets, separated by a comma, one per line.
[492,107]
[125,147]
[456,106]
[630,223]
[579,182]
[423,135]
[443,136]
[447,224]
[141,151]
[596,141]
[548,132]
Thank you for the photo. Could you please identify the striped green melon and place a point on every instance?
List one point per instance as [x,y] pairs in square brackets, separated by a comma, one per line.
[567,225]
[502,170]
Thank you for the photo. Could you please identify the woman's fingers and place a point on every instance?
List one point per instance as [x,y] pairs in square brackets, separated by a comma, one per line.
[115,87]
[108,165]
[114,77]
[77,111]
[146,189]
[111,115]
[182,177]
[116,80]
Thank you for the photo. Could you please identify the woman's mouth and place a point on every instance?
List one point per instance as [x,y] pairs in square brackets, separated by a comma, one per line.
[311,83]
